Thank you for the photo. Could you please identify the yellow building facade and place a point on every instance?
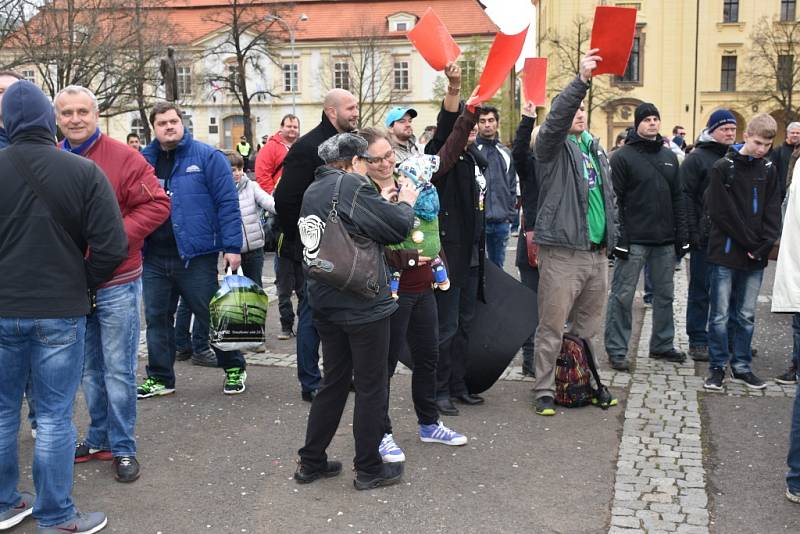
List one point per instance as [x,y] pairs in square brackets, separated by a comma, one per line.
[689,57]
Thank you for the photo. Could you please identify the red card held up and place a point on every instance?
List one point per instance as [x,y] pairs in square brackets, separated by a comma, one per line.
[502,55]
[612,32]
[534,79]
[432,40]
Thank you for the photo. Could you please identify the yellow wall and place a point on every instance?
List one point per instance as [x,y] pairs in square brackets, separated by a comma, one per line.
[674,47]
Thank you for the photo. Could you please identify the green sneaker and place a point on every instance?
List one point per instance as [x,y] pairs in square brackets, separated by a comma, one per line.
[604,399]
[545,406]
[153,387]
[234,381]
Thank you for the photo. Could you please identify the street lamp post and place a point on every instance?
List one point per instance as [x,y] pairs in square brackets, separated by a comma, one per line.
[296,72]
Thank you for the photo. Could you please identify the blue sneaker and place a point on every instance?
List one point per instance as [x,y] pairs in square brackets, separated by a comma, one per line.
[389,450]
[15,514]
[438,433]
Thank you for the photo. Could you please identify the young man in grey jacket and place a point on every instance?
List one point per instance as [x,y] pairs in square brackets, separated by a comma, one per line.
[575,226]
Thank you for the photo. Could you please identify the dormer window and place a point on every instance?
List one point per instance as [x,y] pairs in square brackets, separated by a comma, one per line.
[401,22]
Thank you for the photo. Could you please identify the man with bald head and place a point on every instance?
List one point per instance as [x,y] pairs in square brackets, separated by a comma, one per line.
[339,114]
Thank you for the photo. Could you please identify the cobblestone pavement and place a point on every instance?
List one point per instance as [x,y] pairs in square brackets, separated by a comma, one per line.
[661,484]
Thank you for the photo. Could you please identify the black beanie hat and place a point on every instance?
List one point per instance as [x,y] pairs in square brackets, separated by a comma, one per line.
[643,111]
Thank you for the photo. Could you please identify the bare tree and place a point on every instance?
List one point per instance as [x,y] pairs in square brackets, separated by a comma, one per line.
[771,73]
[245,48]
[79,42]
[149,29]
[566,51]
[12,14]
[363,64]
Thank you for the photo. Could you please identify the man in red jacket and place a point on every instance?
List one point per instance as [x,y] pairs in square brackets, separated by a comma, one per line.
[112,332]
[269,167]
[269,161]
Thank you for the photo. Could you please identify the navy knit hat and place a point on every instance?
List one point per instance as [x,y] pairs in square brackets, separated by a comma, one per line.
[643,111]
[718,118]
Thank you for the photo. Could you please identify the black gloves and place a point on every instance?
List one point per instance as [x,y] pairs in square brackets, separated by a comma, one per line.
[681,249]
[620,252]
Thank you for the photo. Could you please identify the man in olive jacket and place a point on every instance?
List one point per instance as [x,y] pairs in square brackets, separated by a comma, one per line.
[575,225]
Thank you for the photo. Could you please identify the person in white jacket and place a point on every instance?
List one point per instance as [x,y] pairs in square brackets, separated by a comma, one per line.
[251,197]
[786,299]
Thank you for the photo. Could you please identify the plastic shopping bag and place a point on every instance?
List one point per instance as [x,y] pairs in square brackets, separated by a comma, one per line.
[238,314]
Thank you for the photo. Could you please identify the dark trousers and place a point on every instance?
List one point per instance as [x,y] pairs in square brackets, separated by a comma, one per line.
[697,303]
[415,322]
[530,277]
[307,345]
[456,308]
[165,278]
[288,277]
[253,264]
[358,352]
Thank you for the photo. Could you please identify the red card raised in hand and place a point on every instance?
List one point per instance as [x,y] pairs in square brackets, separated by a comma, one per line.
[432,40]
[612,33]
[534,79]
[502,56]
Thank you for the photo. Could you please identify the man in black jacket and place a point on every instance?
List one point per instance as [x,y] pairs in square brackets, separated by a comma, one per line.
[651,229]
[62,237]
[713,143]
[781,155]
[525,164]
[462,230]
[339,114]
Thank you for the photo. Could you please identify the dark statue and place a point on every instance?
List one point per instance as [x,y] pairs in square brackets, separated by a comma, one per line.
[169,76]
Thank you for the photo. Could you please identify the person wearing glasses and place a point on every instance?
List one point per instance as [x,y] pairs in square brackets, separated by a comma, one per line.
[354,330]
[416,320]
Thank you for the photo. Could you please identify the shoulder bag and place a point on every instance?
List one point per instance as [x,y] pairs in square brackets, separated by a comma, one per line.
[348,263]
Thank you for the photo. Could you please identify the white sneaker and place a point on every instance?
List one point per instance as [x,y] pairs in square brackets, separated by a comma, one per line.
[438,433]
[389,450]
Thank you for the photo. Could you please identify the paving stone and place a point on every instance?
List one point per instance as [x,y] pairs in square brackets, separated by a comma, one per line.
[625,521]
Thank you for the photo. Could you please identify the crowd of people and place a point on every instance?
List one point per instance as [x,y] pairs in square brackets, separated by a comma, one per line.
[106,229]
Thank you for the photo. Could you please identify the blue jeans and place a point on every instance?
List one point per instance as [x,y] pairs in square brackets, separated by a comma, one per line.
[796,340]
[661,260]
[496,241]
[793,458]
[307,345]
[109,369]
[184,340]
[50,352]
[697,302]
[744,287]
[166,278]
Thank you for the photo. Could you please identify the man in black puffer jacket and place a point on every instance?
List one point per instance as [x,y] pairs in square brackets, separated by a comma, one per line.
[340,114]
[712,145]
[651,229]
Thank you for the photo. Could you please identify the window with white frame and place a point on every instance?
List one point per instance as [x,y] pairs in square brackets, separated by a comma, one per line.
[401,75]
[137,127]
[184,73]
[290,78]
[29,75]
[213,127]
[341,75]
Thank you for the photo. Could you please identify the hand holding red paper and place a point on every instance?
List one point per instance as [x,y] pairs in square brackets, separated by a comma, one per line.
[589,64]
[432,40]
[529,109]
[612,36]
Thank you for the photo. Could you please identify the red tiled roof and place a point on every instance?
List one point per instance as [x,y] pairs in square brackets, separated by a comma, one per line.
[330,22]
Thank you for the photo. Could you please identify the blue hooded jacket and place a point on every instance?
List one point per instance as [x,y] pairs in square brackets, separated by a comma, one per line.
[205,213]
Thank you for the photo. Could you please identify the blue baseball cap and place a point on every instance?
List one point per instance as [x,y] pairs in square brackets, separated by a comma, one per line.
[395,114]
